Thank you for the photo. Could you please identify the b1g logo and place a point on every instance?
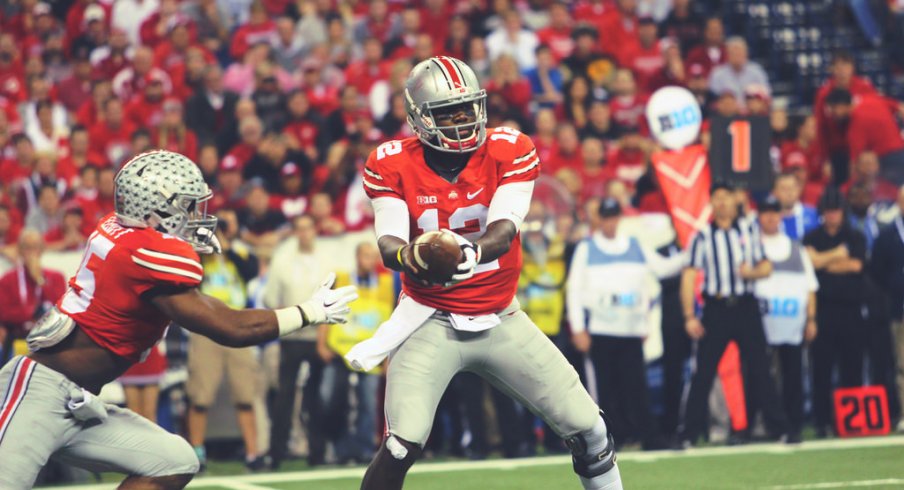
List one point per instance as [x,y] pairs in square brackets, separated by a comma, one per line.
[862,411]
[680,118]
[780,307]
[627,300]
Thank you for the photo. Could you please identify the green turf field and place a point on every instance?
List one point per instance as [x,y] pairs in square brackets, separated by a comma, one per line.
[876,463]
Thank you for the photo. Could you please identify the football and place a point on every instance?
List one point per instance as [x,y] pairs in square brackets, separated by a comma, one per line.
[436,255]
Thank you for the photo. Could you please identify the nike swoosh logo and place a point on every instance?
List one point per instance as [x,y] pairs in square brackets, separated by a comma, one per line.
[327,305]
[473,195]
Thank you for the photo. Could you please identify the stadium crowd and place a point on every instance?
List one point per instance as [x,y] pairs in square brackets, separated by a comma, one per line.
[280,102]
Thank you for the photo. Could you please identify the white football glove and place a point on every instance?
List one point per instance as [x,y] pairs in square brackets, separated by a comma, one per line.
[329,305]
[210,238]
[471,257]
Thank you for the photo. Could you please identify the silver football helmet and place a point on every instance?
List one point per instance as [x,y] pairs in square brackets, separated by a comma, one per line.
[166,191]
[441,82]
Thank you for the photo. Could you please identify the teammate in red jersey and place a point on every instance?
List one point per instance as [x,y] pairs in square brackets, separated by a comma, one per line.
[140,271]
[456,174]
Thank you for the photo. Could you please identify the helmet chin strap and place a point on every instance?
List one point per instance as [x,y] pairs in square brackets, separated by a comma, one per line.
[468,143]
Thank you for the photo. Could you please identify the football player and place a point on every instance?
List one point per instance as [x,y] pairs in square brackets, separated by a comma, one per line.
[140,271]
[459,175]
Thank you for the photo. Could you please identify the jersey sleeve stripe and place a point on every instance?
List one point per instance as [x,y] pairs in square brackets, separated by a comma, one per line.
[523,169]
[378,187]
[371,173]
[525,158]
[172,257]
[166,269]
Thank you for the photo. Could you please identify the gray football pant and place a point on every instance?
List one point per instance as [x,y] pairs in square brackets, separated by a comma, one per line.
[514,356]
[36,424]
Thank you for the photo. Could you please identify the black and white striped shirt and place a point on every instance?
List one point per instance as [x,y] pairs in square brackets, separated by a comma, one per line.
[720,253]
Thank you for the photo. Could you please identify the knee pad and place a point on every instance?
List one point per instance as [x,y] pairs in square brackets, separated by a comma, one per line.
[390,465]
[593,451]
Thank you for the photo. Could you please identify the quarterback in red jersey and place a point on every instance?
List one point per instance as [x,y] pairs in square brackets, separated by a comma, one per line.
[140,271]
[476,182]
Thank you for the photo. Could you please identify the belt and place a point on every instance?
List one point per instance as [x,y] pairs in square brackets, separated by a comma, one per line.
[727,300]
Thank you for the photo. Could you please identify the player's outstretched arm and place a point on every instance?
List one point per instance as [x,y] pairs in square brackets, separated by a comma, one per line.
[212,318]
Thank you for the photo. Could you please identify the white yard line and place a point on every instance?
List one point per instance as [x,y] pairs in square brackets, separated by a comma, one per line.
[508,464]
[840,484]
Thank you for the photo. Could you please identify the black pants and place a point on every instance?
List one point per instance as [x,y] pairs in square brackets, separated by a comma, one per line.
[292,353]
[676,351]
[839,344]
[880,348]
[621,381]
[790,358]
[737,320]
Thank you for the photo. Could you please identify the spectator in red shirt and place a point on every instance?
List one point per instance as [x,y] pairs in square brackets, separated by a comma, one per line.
[593,171]
[866,175]
[102,202]
[594,11]
[251,132]
[114,57]
[510,84]
[832,139]
[153,30]
[172,50]
[303,129]
[627,160]
[172,133]
[803,152]
[323,95]
[147,109]
[628,105]
[544,137]
[567,153]
[872,127]
[321,209]
[557,34]
[259,29]
[712,52]
[74,90]
[77,156]
[644,57]
[436,14]
[91,110]
[21,162]
[70,236]
[132,80]
[618,32]
[110,137]
[27,290]
[291,200]
[9,232]
[12,73]
[229,182]
[371,68]
[673,71]
[377,23]
[404,39]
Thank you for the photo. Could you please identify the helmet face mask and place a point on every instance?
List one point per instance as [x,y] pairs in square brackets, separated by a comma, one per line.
[166,191]
[446,83]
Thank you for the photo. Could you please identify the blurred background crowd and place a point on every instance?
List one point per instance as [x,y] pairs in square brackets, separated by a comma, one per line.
[280,102]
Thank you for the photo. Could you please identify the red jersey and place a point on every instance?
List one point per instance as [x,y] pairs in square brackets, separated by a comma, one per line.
[121,264]
[396,169]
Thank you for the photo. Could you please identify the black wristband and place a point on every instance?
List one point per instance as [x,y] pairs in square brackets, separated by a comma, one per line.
[304,318]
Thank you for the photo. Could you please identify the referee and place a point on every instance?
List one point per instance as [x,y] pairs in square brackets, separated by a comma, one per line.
[730,255]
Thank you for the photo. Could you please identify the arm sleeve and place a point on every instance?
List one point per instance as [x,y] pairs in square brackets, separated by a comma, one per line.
[697,256]
[166,262]
[511,202]
[663,267]
[391,218]
[573,288]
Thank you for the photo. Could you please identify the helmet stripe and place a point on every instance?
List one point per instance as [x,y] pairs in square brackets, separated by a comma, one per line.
[443,70]
[456,77]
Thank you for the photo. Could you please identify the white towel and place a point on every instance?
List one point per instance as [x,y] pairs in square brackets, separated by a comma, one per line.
[408,316]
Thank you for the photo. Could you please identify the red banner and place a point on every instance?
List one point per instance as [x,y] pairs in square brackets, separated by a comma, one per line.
[684,178]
